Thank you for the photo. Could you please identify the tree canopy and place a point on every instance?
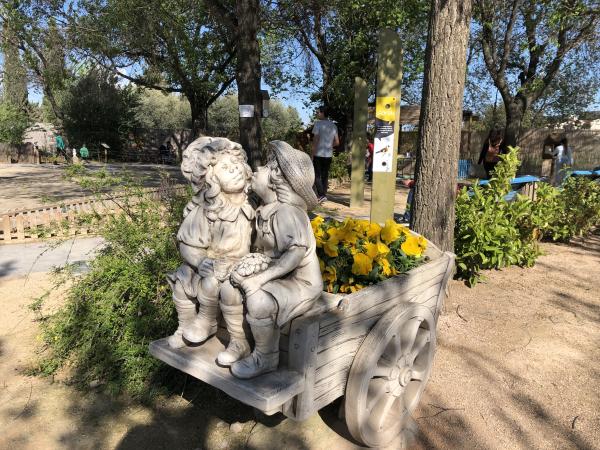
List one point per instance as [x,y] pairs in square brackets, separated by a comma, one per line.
[525,44]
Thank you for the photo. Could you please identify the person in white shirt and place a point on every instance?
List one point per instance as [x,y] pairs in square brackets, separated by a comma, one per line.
[563,158]
[325,138]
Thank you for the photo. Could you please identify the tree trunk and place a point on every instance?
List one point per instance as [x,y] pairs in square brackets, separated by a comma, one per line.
[438,147]
[515,110]
[199,115]
[248,75]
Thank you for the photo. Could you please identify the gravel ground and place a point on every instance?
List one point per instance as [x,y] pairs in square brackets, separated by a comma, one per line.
[516,368]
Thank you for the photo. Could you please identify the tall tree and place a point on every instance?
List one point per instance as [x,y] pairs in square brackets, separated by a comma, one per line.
[36,35]
[440,123]
[173,46]
[242,19]
[248,75]
[524,44]
[14,75]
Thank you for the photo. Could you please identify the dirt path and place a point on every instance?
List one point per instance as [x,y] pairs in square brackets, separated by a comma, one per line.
[31,185]
[516,367]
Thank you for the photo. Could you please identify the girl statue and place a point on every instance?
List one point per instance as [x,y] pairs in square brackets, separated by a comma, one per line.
[215,233]
[292,281]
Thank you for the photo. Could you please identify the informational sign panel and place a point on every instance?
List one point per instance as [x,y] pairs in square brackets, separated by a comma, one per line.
[385,114]
[246,110]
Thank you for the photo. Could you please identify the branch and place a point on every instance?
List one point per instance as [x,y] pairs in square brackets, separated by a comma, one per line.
[508,35]
[223,88]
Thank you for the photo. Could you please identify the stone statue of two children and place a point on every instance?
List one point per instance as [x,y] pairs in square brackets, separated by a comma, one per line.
[278,282]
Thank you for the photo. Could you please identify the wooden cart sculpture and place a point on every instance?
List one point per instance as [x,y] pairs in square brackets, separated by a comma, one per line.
[375,347]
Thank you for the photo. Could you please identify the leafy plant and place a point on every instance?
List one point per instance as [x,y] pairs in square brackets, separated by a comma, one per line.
[124,302]
[487,235]
[339,167]
[13,123]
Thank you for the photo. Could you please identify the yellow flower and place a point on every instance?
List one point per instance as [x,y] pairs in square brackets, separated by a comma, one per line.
[371,250]
[373,230]
[349,288]
[363,264]
[316,222]
[404,229]
[345,233]
[390,231]
[382,249]
[386,267]
[322,265]
[330,274]
[414,246]
[331,247]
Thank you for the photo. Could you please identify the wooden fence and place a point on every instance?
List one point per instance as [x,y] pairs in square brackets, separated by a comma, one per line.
[62,220]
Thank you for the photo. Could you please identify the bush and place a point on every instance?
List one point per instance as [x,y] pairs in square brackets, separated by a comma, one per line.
[491,233]
[339,167]
[573,210]
[486,234]
[123,302]
[13,123]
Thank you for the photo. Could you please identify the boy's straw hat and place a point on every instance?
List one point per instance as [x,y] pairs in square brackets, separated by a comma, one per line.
[297,169]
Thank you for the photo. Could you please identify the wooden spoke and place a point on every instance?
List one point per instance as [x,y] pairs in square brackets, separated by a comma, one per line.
[409,333]
[394,348]
[418,375]
[378,388]
[421,340]
[381,388]
[381,410]
[383,369]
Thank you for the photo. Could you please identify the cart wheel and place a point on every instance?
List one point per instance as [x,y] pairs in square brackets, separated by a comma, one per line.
[389,373]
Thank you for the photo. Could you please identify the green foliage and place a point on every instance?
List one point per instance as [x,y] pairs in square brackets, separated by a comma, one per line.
[282,123]
[113,311]
[492,233]
[160,110]
[97,110]
[13,123]
[571,211]
[339,167]
[486,234]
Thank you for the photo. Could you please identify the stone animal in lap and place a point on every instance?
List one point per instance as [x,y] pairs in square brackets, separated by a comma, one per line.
[215,233]
[291,282]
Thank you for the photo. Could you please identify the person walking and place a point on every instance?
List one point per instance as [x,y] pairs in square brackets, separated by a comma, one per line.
[60,146]
[84,152]
[325,138]
[491,151]
[563,159]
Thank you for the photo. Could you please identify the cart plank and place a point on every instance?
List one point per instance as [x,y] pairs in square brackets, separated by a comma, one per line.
[267,392]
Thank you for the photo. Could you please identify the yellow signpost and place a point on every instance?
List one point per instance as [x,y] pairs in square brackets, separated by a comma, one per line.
[387,122]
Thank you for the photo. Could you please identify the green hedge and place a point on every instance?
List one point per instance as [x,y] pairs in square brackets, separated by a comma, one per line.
[492,233]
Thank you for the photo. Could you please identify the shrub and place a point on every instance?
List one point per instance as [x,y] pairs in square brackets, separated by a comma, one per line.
[573,210]
[492,233]
[486,234]
[339,167]
[123,302]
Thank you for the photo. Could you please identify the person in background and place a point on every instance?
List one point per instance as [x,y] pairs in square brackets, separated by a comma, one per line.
[60,146]
[325,138]
[491,151]
[563,158]
[84,153]
[370,151]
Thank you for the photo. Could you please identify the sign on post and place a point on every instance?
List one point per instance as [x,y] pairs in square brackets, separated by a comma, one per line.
[387,115]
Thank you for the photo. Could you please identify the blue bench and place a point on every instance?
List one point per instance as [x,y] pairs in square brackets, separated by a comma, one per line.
[518,184]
